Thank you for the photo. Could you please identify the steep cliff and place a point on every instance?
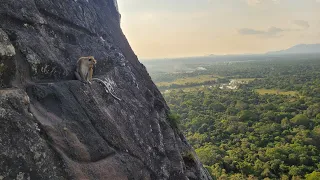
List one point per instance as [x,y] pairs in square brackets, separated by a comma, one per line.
[55,127]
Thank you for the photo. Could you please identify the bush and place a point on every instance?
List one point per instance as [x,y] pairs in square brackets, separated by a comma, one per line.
[300,119]
[313,176]
[174,120]
[188,156]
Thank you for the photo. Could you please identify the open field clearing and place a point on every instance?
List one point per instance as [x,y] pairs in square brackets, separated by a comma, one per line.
[246,79]
[184,81]
[274,91]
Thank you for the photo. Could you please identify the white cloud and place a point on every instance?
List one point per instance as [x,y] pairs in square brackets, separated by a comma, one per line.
[256,2]
[253,2]
[276,1]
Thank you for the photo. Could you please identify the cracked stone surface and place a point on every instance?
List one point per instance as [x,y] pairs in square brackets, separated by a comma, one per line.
[55,127]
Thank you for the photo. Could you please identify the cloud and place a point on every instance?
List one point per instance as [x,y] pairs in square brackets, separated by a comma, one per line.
[248,31]
[256,2]
[253,2]
[301,23]
[272,31]
[275,31]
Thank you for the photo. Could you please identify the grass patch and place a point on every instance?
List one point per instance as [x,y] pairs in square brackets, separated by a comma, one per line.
[246,79]
[275,91]
[186,80]
[187,89]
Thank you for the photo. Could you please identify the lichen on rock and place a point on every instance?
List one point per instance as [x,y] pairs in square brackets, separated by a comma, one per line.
[7,64]
[6,48]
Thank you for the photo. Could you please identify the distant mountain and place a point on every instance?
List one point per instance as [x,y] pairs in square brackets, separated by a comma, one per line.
[299,49]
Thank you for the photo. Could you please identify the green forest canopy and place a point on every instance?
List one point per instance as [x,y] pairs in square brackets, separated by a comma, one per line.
[241,134]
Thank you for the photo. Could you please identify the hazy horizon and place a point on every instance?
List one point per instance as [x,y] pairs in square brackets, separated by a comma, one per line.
[187,28]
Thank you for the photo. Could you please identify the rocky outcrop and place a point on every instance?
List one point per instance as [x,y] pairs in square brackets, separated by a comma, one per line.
[7,64]
[55,127]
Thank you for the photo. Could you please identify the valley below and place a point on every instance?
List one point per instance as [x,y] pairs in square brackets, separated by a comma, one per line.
[247,117]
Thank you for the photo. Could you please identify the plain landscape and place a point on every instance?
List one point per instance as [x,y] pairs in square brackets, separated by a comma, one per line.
[247,116]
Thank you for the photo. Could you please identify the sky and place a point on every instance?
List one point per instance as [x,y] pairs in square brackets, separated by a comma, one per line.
[186,28]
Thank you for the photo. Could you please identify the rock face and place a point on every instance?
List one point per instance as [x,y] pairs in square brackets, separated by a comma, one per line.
[55,127]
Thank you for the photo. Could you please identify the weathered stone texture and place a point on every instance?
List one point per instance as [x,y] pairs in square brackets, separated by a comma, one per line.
[55,127]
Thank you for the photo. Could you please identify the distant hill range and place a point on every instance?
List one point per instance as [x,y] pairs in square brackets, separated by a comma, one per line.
[299,49]
[303,49]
